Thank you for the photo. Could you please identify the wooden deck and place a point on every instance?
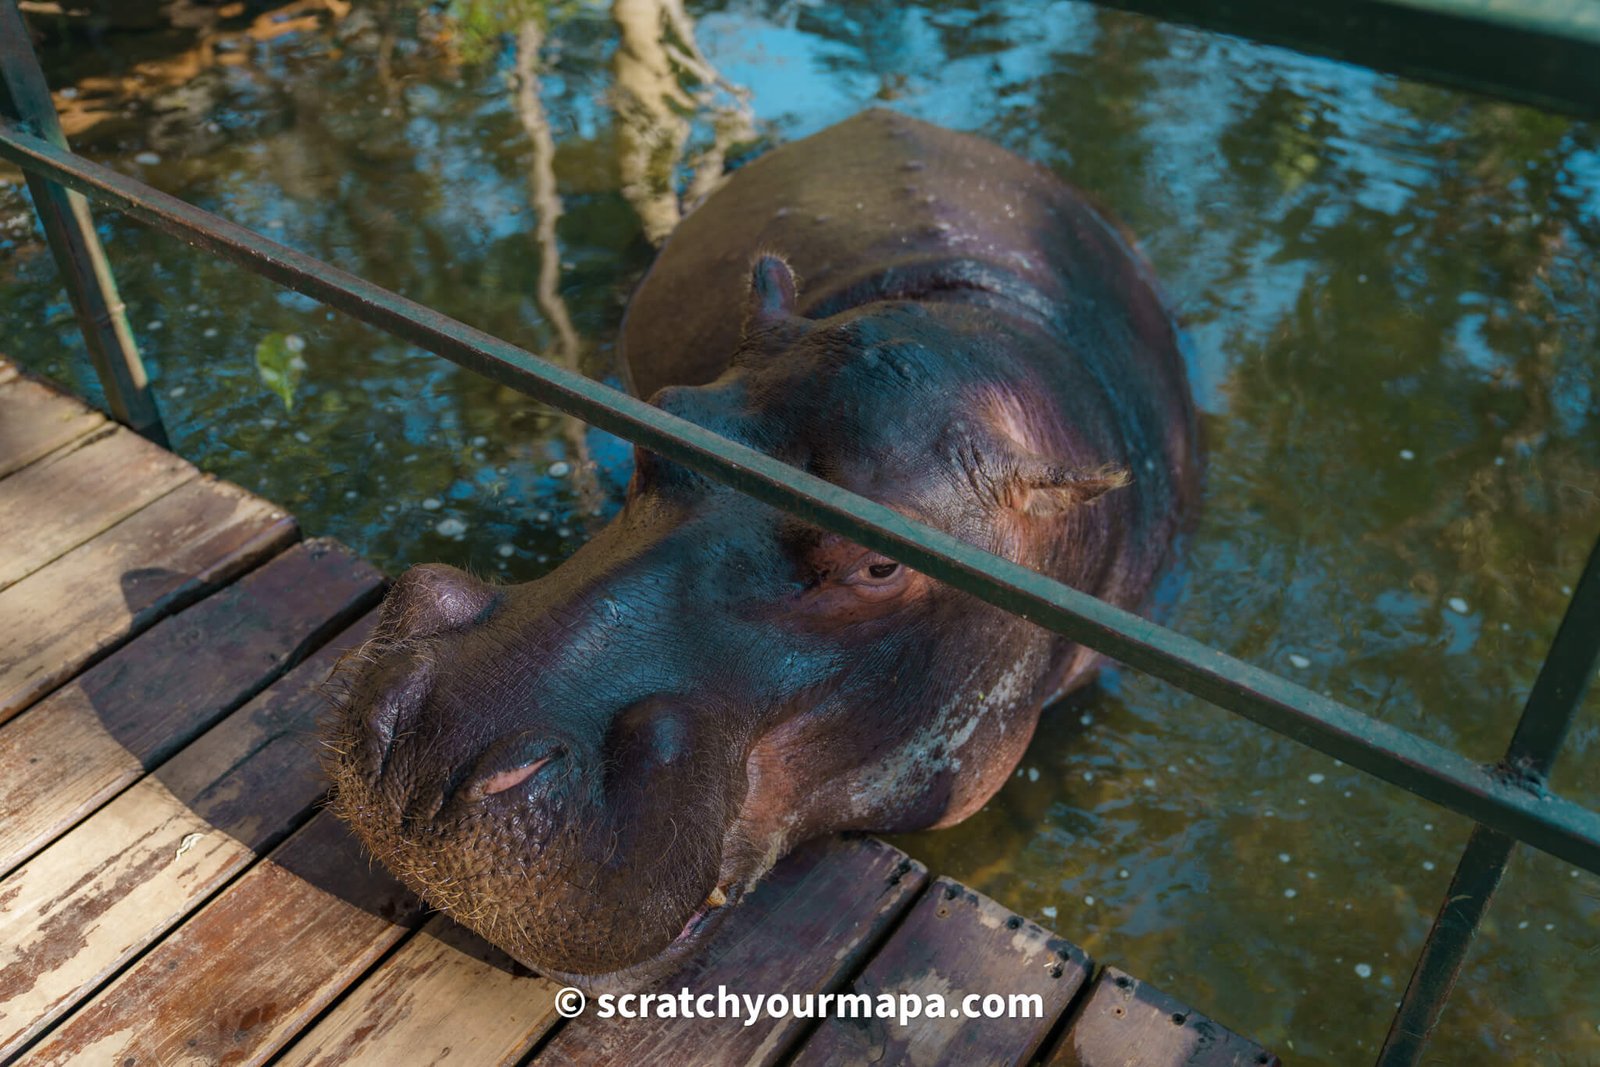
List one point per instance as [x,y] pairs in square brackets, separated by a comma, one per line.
[170,892]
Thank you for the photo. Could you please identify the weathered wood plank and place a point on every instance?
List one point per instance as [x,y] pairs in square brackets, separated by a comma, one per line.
[1126,1023]
[64,756]
[804,929]
[162,558]
[956,943]
[87,904]
[37,421]
[445,996]
[59,502]
[240,978]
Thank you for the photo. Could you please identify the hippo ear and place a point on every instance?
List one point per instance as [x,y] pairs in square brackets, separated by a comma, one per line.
[773,293]
[1040,486]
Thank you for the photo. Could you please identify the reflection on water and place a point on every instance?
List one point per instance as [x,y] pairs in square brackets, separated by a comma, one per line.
[1391,293]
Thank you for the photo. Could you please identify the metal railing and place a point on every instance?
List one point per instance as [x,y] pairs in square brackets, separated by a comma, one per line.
[1509,801]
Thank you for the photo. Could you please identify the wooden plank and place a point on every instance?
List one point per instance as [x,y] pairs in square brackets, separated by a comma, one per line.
[162,558]
[58,503]
[87,904]
[445,996]
[956,942]
[35,420]
[1125,1023]
[804,929]
[239,979]
[67,754]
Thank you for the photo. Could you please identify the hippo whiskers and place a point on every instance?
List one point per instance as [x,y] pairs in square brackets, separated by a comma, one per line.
[592,769]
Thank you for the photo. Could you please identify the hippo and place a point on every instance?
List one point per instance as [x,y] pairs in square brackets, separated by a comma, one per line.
[591,770]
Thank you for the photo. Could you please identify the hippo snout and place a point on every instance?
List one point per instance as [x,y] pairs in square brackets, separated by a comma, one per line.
[435,599]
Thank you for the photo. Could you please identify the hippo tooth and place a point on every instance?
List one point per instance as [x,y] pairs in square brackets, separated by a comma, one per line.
[717,898]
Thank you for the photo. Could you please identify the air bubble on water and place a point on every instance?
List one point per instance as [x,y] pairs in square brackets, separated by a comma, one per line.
[432,503]
[543,516]
[1363,970]
[451,527]
[1123,873]
[154,324]
[564,531]
[294,343]
[1088,776]
[1033,774]
[1549,926]
[1284,857]
[1317,778]
[303,437]
[147,159]
[209,331]
[1089,900]
[1290,894]
[479,441]
[1085,719]
[1299,661]
[1427,865]
[1407,454]
[1149,783]
[560,469]
[1523,925]
[176,391]
[1458,605]
[1048,911]
[506,548]
[351,494]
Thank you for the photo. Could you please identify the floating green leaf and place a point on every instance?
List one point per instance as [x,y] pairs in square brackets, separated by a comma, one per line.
[281,365]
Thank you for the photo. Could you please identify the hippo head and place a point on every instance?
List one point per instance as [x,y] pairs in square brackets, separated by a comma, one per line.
[589,769]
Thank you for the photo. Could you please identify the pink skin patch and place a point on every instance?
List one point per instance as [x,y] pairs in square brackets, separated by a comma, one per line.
[499,783]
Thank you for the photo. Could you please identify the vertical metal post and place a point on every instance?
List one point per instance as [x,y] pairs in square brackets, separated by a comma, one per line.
[69,229]
[1552,704]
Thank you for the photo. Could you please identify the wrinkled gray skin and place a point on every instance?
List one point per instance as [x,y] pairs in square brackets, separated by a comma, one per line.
[592,768]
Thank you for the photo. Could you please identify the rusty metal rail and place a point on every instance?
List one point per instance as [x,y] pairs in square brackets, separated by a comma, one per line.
[1510,800]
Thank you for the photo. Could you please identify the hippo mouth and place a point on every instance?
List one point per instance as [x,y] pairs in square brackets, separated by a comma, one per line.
[700,927]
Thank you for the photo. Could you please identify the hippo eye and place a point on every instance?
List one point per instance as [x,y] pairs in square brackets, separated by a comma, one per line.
[877,578]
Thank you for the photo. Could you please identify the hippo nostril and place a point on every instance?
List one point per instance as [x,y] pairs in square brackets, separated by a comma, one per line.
[500,781]
[434,599]
[507,764]
[396,691]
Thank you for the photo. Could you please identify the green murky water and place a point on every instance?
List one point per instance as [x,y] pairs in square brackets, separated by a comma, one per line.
[1392,294]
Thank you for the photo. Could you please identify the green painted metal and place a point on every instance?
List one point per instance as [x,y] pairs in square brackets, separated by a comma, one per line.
[1564,678]
[1540,52]
[1545,821]
[1553,703]
[1477,876]
[69,229]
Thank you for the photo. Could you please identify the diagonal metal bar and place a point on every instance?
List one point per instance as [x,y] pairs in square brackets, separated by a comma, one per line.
[69,230]
[1553,703]
[1547,822]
